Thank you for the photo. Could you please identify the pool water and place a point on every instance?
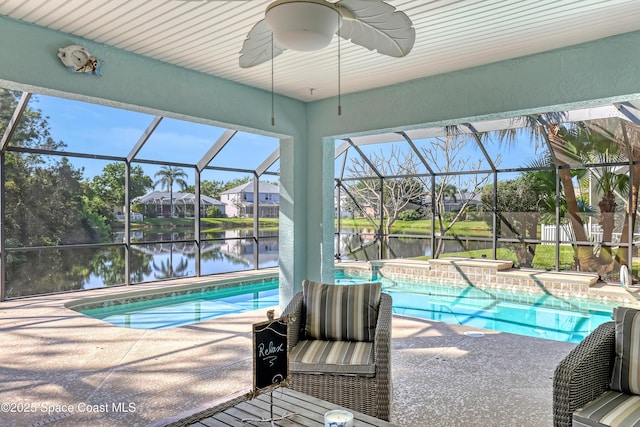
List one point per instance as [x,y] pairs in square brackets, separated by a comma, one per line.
[543,316]
[534,320]
[183,310]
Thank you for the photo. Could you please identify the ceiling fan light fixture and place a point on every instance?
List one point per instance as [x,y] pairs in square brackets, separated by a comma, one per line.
[303,25]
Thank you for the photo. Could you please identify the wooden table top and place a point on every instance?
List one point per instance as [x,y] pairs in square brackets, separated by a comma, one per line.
[302,410]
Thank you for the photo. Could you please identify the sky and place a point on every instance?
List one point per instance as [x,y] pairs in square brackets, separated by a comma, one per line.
[464,155]
[93,128]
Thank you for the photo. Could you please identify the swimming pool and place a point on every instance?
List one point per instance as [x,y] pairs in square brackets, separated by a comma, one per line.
[174,311]
[543,316]
[534,315]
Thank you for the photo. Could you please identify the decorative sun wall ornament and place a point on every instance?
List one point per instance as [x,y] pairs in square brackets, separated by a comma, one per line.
[77,59]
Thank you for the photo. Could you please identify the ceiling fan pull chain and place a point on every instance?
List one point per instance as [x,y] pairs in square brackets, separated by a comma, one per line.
[273,116]
[339,90]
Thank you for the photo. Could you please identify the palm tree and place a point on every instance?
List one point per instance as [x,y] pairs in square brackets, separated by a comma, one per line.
[450,191]
[596,142]
[166,270]
[167,176]
[624,133]
[609,181]
[562,153]
[584,146]
[567,151]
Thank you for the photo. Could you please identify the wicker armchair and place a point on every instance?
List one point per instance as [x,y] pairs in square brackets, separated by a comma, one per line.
[369,394]
[584,374]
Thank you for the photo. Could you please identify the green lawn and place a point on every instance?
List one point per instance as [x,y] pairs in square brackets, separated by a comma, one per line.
[207,224]
[221,224]
[543,260]
[460,228]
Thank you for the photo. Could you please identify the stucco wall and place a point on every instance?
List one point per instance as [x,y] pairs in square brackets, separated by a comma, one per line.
[602,71]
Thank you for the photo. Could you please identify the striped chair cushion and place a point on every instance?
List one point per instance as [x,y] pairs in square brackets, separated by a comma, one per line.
[626,368]
[341,312]
[612,408]
[332,357]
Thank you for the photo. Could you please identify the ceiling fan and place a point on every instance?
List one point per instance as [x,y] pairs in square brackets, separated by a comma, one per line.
[308,25]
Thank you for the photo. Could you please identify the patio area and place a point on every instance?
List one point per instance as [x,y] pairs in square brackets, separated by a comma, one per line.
[61,368]
[174,97]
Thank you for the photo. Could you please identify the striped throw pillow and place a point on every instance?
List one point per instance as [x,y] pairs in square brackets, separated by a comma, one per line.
[341,312]
[626,368]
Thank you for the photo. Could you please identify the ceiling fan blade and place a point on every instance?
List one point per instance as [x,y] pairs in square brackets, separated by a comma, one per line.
[378,26]
[256,48]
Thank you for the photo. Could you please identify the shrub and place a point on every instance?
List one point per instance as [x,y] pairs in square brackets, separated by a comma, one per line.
[448,216]
[214,212]
[410,215]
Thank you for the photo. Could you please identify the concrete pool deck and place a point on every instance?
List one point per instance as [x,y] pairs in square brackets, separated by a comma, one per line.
[71,370]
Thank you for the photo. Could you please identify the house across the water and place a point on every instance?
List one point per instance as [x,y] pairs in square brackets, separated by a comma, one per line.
[239,200]
[158,203]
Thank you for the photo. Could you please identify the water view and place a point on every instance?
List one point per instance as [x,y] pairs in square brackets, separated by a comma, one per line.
[158,254]
[361,244]
[44,271]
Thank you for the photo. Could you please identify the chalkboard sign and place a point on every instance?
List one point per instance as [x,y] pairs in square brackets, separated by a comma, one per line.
[270,353]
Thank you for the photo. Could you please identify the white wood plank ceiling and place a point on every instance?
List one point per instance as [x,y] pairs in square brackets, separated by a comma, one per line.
[207,36]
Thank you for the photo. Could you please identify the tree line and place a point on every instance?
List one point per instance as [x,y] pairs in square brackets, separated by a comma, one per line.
[49,201]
